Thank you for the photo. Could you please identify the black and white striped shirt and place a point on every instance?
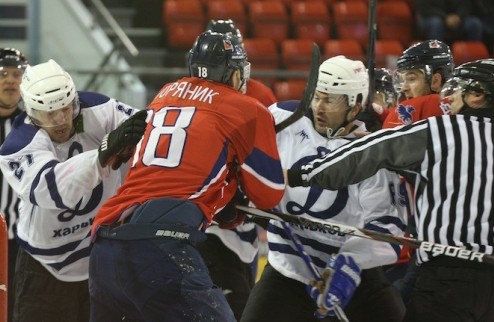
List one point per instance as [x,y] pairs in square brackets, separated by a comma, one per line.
[9,202]
[452,158]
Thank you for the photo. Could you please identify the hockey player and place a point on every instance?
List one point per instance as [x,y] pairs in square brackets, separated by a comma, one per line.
[12,66]
[385,98]
[421,71]
[451,157]
[341,91]
[51,160]
[231,254]
[205,139]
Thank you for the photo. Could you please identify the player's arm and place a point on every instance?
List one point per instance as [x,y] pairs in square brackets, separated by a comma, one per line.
[261,174]
[402,148]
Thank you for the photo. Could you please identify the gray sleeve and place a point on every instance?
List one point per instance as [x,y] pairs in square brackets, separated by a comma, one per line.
[402,148]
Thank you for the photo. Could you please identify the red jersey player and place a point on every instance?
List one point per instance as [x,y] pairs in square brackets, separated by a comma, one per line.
[203,139]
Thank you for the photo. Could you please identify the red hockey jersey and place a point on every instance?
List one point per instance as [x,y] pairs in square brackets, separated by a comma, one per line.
[201,140]
[415,109]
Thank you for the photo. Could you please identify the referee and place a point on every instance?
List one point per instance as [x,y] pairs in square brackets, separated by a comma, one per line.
[452,157]
[12,65]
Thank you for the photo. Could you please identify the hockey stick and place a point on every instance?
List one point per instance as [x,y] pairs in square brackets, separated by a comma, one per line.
[341,229]
[310,88]
[340,314]
[371,64]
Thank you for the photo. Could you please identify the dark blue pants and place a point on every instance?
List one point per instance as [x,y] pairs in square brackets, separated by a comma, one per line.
[154,279]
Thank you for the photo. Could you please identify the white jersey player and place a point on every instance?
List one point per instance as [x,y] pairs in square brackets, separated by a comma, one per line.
[51,160]
[374,204]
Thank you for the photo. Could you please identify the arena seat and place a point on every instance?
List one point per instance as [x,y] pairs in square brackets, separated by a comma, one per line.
[350,21]
[183,20]
[289,89]
[465,51]
[310,20]
[394,21]
[268,19]
[296,54]
[263,55]
[386,53]
[348,47]
[228,9]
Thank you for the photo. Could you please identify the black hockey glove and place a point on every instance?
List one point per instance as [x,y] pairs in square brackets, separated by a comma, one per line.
[117,146]
[230,217]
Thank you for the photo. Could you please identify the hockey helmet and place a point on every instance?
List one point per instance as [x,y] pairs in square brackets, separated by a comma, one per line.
[47,88]
[431,56]
[225,26]
[11,57]
[340,75]
[215,56]
[476,76]
[383,83]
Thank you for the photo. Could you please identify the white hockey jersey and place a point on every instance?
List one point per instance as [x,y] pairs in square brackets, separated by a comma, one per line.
[61,186]
[374,203]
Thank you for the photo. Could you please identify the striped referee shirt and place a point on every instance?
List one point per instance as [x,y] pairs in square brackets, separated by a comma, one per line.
[9,202]
[452,158]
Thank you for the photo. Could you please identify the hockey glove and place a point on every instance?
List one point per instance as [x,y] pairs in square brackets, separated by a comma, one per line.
[117,146]
[230,217]
[340,279]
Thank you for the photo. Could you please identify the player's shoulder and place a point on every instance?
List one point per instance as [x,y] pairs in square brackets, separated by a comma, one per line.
[21,135]
[90,99]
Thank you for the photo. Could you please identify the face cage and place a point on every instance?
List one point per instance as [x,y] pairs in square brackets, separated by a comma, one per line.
[463,85]
[54,118]
[245,76]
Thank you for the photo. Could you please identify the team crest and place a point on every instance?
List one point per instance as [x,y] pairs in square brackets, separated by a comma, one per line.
[405,113]
[227,44]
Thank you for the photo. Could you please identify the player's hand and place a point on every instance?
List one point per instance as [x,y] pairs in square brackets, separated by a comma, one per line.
[339,281]
[117,146]
[230,217]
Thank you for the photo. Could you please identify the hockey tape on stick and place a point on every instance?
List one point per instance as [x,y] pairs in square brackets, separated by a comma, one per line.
[340,314]
[340,229]
[310,88]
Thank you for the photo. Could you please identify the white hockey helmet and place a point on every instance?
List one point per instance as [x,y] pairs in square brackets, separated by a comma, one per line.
[340,75]
[46,88]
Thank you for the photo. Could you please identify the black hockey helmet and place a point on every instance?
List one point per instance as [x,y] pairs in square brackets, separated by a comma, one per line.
[215,56]
[432,56]
[477,76]
[383,83]
[11,57]
[225,26]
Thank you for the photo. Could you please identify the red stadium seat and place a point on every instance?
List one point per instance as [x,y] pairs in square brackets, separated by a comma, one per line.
[311,20]
[263,55]
[395,21]
[350,48]
[228,9]
[184,20]
[290,89]
[296,54]
[386,53]
[268,19]
[466,51]
[350,19]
